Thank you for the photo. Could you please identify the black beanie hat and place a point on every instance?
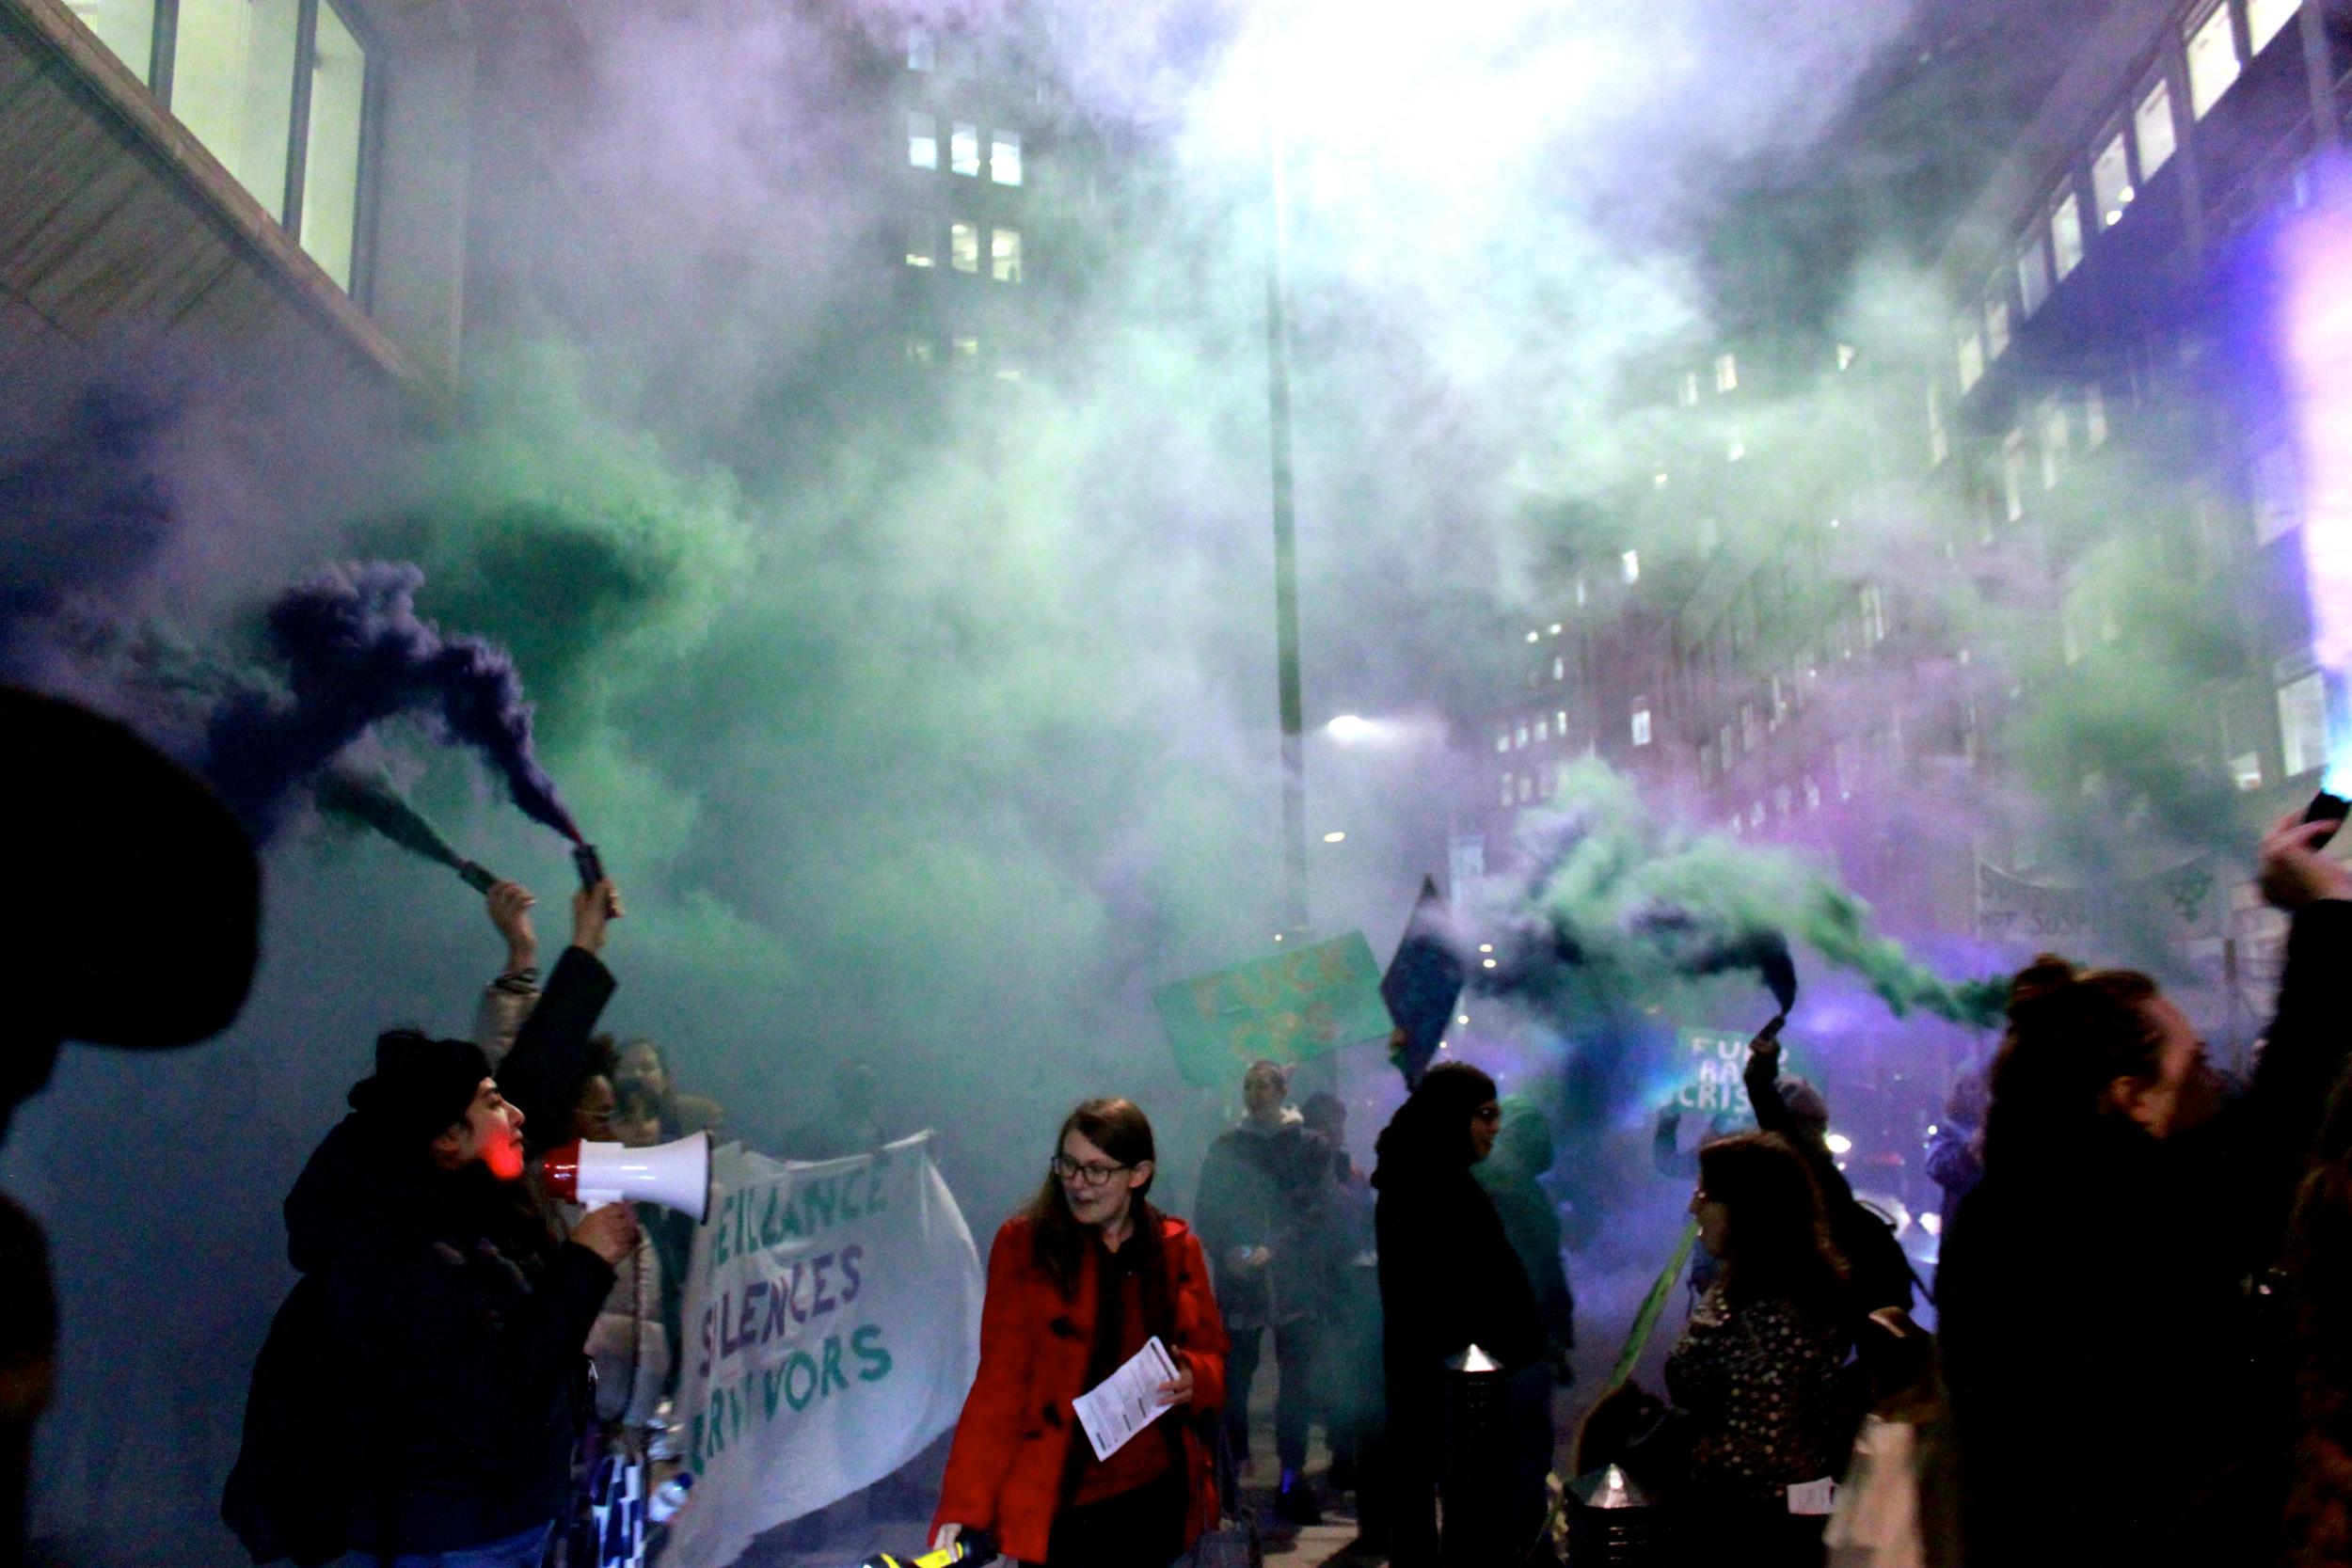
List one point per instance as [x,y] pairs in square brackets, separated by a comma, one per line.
[421,1086]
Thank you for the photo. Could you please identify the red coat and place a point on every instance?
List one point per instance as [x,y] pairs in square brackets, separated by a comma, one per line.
[1005,1470]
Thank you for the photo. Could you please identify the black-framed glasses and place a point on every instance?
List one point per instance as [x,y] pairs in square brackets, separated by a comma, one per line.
[1092,1175]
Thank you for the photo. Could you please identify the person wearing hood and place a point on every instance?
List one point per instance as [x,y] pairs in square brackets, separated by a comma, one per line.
[1510,1175]
[1261,1204]
[1449,1279]
[440,1322]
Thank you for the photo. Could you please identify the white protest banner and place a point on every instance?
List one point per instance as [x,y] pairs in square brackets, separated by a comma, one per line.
[832,1326]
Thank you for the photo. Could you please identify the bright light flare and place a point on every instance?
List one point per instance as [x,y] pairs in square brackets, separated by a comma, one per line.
[1335,838]
[1348,729]
[1839,1143]
[2315,343]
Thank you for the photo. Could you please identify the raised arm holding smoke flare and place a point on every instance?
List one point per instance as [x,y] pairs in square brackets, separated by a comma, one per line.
[2094,1317]
[509,997]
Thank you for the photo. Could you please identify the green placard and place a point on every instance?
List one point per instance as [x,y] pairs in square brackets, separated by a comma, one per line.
[1713,1063]
[1295,1004]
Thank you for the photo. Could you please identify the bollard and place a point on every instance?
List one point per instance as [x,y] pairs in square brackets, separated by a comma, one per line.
[1613,1523]
[1474,1485]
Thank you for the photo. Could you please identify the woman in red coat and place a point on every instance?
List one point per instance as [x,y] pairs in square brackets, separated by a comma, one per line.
[1077,1283]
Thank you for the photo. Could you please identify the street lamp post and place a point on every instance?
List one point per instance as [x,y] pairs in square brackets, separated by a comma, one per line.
[1285,526]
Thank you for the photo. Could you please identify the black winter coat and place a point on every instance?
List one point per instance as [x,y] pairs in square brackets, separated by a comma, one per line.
[456,1320]
[1448,1276]
[2095,1327]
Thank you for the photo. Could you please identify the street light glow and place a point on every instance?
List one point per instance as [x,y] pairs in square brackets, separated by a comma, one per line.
[1335,838]
[1839,1143]
[1348,727]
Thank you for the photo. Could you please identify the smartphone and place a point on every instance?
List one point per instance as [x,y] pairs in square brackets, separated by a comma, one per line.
[590,864]
[2326,808]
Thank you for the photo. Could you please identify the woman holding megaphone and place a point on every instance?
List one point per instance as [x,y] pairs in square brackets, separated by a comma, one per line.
[1080,1283]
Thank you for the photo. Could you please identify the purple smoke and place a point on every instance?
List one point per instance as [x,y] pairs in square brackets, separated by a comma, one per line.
[356,653]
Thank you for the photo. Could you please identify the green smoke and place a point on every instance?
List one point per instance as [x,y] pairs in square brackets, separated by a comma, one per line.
[1606,868]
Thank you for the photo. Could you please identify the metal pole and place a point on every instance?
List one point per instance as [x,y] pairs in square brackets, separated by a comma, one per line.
[1285,528]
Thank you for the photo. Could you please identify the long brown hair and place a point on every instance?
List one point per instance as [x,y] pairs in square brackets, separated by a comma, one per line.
[2071,1033]
[1120,1129]
[1777,1244]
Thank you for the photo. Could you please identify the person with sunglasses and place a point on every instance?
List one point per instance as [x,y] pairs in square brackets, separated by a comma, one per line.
[1077,1282]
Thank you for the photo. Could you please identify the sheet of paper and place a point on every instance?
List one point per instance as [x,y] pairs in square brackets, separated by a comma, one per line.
[1126,1402]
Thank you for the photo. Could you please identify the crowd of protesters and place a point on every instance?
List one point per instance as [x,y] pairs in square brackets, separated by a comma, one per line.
[2141,1304]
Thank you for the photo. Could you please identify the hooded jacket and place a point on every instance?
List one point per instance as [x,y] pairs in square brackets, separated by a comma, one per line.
[454,1320]
[1522,1153]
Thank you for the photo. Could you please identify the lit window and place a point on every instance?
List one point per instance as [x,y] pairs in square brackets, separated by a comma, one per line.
[1756,814]
[1724,741]
[1579,593]
[2094,416]
[2151,127]
[1872,604]
[1971,347]
[922,54]
[1004,254]
[1542,729]
[2056,437]
[1812,794]
[922,140]
[2264,18]
[1727,373]
[2245,770]
[1506,789]
[2212,62]
[1996,325]
[966,345]
[330,160]
[125,26]
[1555,629]
[2303,724]
[1527,787]
[1735,447]
[1845,356]
[233,85]
[1559,669]
[963,246]
[1640,726]
[1687,393]
[2013,474]
[1631,563]
[1004,157]
[921,351]
[963,147]
[1939,438]
[2033,274]
[2066,232]
[1519,739]
[1503,740]
[1560,724]
[922,243]
[2111,182]
[1750,727]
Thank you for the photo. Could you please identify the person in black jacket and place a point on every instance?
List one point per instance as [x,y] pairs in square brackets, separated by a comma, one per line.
[2097,1338]
[1261,1212]
[455,1317]
[1449,1280]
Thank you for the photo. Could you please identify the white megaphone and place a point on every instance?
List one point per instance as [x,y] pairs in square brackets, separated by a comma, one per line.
[675,1175]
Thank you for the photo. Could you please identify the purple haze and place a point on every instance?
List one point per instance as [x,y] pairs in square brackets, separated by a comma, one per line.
[356,653]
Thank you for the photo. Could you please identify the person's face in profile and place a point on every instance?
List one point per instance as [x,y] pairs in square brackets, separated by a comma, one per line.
[1484,1123]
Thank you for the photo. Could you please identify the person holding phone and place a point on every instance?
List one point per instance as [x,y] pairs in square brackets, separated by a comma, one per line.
[2095,1318]
[1077,1283]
